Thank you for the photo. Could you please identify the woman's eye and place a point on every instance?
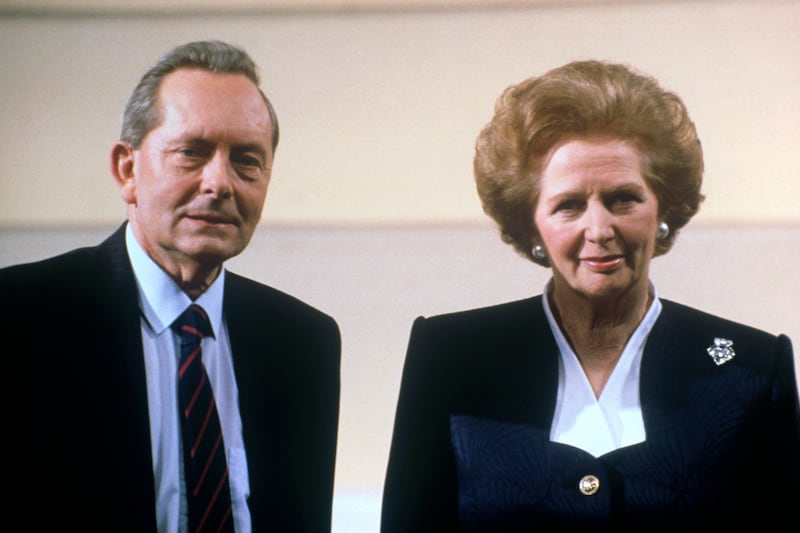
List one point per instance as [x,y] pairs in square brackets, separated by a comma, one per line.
[625,199]
[569,205]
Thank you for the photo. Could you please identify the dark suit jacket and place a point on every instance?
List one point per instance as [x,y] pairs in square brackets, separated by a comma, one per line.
[471,449]
[79,402]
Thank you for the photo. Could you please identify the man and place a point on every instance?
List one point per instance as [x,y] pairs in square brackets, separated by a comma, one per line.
[97,393]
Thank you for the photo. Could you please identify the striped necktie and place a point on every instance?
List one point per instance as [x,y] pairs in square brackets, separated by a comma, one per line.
[205,468]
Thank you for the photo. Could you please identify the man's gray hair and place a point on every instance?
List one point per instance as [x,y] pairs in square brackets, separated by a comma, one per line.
[142,112]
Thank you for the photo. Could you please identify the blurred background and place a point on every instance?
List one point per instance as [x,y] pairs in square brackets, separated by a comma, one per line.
[372,214]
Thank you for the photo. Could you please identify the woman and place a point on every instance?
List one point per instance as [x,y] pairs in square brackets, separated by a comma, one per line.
[598,404]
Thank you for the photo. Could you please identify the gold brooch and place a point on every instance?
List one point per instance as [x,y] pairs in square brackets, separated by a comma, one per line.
[722,351]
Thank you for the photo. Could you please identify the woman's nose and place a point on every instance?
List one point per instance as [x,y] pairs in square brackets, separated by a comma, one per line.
[599,224]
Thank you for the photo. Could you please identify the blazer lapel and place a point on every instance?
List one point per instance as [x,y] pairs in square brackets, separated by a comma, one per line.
[544,359]
[128,425]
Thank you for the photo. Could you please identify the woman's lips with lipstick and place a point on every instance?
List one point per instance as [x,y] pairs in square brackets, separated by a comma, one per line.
[603,264]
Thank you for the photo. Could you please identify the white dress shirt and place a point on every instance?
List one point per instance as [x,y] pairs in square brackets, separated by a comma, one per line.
[614,420]
[161,302]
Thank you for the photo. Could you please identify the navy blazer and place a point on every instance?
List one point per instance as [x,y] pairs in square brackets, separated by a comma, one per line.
[79,401]
[471,450]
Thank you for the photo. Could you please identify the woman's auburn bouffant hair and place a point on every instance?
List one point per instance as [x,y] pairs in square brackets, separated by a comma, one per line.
[585,99]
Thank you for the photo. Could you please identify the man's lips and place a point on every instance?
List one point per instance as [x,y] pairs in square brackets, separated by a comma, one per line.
[603,264]
[212,218]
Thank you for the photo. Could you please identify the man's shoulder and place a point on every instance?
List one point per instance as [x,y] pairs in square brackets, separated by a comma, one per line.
[53,270]
[89,263]
[258,298]
[284,319]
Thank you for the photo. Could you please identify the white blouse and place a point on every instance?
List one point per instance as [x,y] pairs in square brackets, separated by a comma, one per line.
[600,425]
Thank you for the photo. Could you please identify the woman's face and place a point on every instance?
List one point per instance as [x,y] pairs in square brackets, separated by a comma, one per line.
[597,218]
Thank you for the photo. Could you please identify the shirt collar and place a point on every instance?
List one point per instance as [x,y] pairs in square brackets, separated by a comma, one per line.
[161,300]
[599,425]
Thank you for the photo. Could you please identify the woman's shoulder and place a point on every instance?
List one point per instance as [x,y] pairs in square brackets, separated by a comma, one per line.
[692,331]
[489,316]
[503,326]
[689,320]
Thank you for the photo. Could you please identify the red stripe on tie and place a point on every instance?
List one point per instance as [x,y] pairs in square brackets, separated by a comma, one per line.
[212,500]
[189,360]
[194,331]
[207,465]
[224,520]
[211,410]
[193,399]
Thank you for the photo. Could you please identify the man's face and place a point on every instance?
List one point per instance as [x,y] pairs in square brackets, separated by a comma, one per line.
[198,181]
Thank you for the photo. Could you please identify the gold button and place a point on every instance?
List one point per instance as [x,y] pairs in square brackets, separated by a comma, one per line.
[589,485]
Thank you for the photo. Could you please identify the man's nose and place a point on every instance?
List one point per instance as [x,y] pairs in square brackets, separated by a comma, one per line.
[218,176]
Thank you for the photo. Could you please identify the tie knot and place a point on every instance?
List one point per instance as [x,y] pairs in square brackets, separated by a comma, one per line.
[193,321]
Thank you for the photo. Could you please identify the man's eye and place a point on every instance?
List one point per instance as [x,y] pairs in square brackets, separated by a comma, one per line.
[249,161]
[191,153]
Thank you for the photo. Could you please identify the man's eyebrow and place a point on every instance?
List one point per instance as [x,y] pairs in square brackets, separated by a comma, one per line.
[193,139]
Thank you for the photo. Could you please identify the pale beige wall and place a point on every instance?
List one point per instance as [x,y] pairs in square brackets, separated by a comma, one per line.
[380,107]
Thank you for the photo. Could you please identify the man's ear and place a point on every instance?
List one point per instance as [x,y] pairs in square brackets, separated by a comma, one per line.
[123,170]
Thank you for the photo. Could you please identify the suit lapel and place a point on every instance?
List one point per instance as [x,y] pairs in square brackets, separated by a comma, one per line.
[512,364]
[248,332]
[126,426]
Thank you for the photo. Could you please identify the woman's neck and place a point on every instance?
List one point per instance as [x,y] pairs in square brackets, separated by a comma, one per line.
[598,329]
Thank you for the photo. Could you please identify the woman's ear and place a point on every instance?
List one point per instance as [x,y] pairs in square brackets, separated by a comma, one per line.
[123,170]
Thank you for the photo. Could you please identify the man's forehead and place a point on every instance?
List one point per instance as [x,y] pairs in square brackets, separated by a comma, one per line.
[201,102]
[199,83]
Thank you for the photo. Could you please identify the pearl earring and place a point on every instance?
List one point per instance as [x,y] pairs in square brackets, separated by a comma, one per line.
[539,253]
[663,231]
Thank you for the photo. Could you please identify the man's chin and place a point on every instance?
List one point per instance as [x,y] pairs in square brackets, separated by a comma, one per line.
[212,251]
